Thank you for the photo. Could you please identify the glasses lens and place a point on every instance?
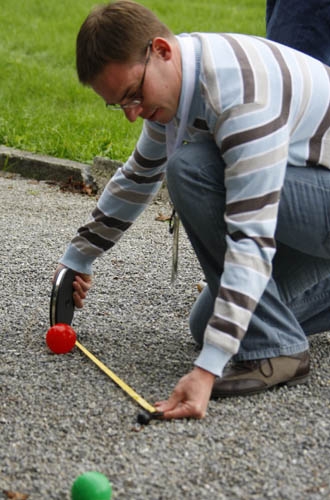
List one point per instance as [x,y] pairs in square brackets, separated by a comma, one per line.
[132,104]
[128,105]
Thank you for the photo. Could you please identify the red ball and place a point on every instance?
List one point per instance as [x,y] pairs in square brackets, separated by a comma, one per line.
[61,338]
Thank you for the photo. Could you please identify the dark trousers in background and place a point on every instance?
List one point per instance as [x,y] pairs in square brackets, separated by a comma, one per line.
[301,24]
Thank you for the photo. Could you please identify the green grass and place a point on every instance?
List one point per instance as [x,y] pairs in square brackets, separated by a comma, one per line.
[44,109]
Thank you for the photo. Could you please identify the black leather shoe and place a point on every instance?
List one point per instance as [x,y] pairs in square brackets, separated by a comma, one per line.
[250,377]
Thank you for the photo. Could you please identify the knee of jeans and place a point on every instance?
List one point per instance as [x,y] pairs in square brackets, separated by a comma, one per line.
[200,315]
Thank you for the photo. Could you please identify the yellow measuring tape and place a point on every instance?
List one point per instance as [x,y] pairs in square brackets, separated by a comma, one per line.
[142,402]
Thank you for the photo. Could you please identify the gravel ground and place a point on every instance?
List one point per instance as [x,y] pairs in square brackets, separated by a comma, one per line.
[61,416]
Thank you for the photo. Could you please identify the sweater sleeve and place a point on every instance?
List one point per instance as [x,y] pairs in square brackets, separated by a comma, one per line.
[253,184]
[253,137]
[124,198]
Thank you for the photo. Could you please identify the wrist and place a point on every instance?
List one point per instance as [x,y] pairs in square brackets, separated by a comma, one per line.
[204,374]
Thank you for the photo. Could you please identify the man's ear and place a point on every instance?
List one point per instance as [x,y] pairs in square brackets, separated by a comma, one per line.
[162,48]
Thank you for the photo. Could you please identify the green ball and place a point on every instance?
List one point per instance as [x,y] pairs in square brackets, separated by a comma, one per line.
[91,486]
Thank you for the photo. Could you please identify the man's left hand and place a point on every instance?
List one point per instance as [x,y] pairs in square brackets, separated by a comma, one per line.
[190,397]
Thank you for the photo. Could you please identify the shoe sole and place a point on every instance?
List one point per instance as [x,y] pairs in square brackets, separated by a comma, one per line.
[297,381]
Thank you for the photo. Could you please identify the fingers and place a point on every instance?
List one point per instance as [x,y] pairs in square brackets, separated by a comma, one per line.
[183,409]
[81,285]
[190,397]
[180,406]
[167,405]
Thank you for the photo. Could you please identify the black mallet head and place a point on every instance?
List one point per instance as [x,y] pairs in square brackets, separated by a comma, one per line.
[144,416]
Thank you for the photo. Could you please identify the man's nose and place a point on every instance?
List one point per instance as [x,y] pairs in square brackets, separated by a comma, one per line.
[132,113]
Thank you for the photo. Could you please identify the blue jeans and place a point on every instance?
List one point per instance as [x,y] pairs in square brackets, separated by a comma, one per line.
[296,302]
[301,24]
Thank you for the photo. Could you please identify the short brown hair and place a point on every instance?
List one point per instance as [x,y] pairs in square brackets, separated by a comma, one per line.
[118,31]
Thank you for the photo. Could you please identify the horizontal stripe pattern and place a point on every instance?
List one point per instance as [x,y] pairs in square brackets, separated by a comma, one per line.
[253,132]
[100,234]
[241,205]
[248,205]
[126,195]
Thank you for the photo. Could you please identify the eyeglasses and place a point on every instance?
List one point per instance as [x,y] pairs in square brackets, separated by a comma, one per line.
[136,99]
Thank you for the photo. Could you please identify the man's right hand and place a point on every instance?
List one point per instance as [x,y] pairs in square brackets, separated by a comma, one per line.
[81,284]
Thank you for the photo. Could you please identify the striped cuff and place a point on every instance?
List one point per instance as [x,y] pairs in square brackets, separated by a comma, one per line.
[77,261]
[212,359]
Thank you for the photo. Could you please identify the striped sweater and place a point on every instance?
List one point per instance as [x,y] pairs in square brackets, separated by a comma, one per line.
[264,105]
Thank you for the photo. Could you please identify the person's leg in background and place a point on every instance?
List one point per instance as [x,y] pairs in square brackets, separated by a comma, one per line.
[301,24]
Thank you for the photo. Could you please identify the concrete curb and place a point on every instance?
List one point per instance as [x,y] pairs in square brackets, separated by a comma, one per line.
[49,168]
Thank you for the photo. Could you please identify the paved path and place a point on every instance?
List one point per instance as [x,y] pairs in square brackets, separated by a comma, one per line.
[60,416]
